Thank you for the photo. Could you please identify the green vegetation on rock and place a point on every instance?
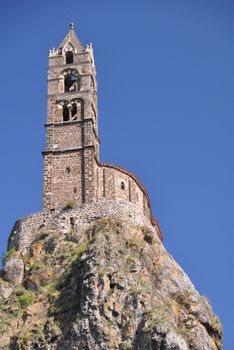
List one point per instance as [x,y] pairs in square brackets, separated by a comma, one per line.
[71,204]
[7,256]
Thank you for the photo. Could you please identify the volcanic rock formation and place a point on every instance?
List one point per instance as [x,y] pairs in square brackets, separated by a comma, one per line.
[111,285]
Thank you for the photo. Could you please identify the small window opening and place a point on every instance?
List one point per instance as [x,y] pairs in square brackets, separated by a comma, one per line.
[122,185]
[65,113]
[74,190]
[74,111]
[68,170]
[69,57]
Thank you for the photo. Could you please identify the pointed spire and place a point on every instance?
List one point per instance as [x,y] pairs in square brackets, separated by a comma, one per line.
[72,40]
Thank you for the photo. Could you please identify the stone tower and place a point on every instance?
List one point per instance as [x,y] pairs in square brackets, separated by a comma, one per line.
[72,143]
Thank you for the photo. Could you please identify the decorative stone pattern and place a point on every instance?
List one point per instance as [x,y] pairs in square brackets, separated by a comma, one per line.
[26,229]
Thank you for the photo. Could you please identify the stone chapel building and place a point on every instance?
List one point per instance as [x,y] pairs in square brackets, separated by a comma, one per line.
[72,170]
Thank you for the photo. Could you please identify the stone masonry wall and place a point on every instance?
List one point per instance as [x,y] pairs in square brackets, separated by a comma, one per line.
[76,176]
[67,169]
[27,229]
[117,184]
[66,136]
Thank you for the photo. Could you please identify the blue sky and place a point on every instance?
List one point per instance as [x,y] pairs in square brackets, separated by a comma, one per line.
[165,73]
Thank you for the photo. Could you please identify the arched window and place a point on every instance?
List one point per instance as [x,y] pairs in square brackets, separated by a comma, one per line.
[69,57]
[74,111]
[122,185]
[65,113]
[77,109]
[71,80]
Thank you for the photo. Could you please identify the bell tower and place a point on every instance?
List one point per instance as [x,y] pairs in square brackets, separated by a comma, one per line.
[72,143]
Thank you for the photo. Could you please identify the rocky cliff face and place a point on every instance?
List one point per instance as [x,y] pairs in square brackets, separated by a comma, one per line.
[109,286]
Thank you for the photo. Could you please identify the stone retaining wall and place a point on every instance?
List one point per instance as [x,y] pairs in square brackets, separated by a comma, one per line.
[26,229]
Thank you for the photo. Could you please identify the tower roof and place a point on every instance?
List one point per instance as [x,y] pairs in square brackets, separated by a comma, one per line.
[71,41]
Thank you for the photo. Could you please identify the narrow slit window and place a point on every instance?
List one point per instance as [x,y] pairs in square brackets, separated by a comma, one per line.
[122,185]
